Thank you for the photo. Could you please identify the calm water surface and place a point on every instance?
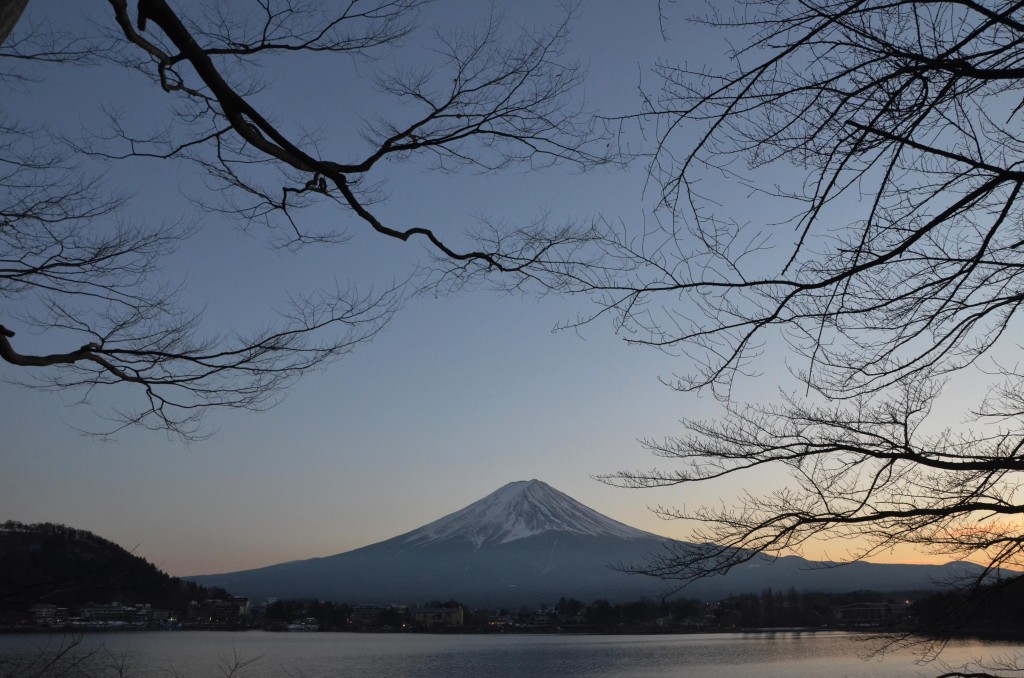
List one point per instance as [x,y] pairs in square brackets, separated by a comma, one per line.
[336,655]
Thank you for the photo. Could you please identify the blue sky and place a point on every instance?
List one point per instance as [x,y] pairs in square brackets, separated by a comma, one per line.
[459,396]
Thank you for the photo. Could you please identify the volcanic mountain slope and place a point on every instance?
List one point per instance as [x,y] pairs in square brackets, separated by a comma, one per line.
[528,543]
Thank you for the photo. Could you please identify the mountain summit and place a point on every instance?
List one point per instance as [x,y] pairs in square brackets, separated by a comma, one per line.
[524,543]
[525,508]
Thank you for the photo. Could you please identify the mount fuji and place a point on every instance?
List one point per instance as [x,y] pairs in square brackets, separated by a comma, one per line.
[528,543]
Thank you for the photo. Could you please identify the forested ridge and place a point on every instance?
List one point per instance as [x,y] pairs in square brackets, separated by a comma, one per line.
[52,563]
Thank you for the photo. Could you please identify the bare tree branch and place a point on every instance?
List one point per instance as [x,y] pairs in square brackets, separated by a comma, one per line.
[85,279]
[883,139]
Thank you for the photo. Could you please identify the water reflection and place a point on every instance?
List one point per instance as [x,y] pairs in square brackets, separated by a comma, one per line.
[789,654]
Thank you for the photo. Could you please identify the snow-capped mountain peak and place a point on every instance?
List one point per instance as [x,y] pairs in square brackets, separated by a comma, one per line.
[518,510]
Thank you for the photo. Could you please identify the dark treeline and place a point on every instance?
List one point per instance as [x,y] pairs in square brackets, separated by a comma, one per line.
[767,609]
[811,609]
[993,610]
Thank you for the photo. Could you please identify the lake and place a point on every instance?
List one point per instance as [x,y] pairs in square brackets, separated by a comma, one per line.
[199,654]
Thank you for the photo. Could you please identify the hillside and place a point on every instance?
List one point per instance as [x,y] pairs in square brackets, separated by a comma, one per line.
[49,563]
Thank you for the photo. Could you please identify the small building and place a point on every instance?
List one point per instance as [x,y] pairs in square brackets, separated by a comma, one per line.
[112,613]
[43,614]
[380,616]
[438,617]
[866,614]
[226,613]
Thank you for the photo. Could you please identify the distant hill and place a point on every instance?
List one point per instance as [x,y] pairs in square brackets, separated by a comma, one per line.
[48,563]
[528,543]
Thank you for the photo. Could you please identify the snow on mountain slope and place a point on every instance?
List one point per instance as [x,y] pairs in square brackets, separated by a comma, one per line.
[518,510]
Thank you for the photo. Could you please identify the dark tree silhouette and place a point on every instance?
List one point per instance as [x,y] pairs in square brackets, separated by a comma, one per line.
[87,276]
[883,139]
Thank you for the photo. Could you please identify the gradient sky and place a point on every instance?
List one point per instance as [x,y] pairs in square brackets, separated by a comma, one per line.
[459,396]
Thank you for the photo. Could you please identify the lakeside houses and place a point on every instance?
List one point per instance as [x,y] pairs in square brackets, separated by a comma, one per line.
[98,616]
[230,613]
[749,611]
